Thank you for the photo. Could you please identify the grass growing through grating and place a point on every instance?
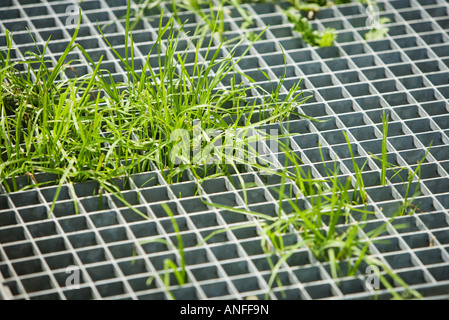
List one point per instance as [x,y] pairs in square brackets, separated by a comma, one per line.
[169,265]
[299,13]
[91,127]
[325,226]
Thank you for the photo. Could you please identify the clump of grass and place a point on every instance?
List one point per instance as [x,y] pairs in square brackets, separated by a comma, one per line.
[90,127]
[309,35]
[325,226]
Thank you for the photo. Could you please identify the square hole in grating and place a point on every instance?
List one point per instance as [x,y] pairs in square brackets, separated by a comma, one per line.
[196,256]
[252,247]
[156,194]
[442,236]
[418,54]
[348,77]
[311,68]
[145,229]
[104,219]
[36,213]
[216,289]
[365,61]
[36,284]
[253,196]
[73,224]
[321,81]
[430,256]
[126,198]
[405,224]
[51,245]
[417,240]
[50,193]
[438,185]
[188,239]
[227,199]
[134,214]
[419,125]
[28,267]
[85,239]
[403,70]
[236,268]
[141,284]
[439,78]
[79,294]
[12,235]
[122,250]
[352,286]
[214,185]
[194,205]
[215,235]
[102,272]
[96,203]
[111,289]
[441,51]
[184,293]
[338,64]
[167,224]
[429,66]
[61,278]
[225,252]
[400,261]
[320,291]
[42,229]
[246,284]
[308,274]
[363,133]
[144,180]
[355,49]
[435,220]
[262,263]
[266,208]
[184,190]
[86,189]
[231,217]
[387,244]
[114,234]
[204,220]
[386,86]
[413,82]
[19,251]
[361,89]
[442,121]
[435,38]
[205,273]
[7,218]
[413,277]
[440,273]
[27,198]
[61,261]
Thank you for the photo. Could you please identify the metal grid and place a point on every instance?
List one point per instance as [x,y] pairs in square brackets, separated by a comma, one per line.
[405,74]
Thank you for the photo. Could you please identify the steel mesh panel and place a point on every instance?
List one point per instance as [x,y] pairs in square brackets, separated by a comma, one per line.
[405,74]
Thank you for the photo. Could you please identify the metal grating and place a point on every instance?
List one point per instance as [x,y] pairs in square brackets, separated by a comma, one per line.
[405,74]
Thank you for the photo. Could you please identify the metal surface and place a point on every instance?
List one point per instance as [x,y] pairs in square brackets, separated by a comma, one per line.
[405,74]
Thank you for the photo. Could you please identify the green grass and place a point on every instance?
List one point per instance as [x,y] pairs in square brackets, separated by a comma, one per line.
[299,13]
[57,125]
[325,226]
